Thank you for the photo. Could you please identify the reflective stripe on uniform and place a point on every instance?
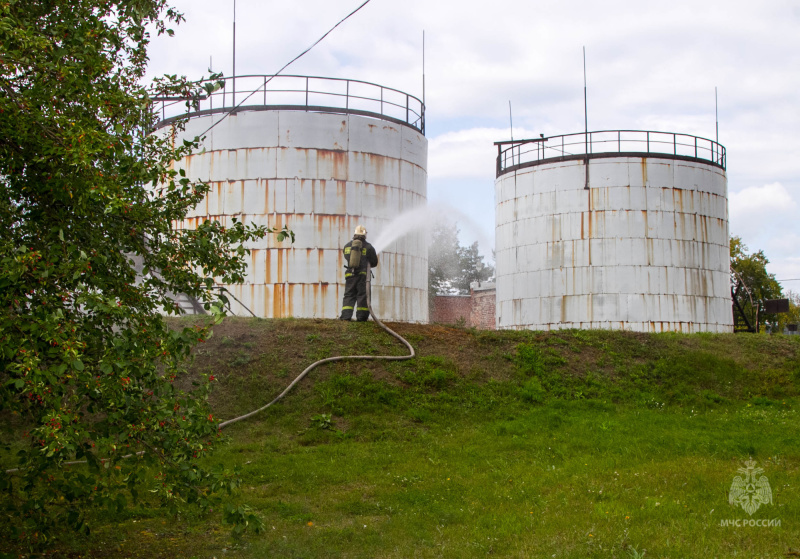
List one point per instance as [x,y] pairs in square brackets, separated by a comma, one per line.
[348,308]
[361,308]
[348,274]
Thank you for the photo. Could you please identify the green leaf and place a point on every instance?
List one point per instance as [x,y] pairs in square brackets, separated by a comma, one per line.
[77,365]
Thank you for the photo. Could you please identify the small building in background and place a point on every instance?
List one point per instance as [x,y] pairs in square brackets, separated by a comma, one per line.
[476,310]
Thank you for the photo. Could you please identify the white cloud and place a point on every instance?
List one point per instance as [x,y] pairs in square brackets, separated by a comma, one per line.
[759,202]
[650,65]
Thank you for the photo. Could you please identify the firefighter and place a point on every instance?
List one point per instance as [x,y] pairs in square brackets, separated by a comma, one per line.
[357,253]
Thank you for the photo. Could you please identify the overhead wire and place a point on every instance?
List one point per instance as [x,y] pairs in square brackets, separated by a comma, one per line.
[292,61]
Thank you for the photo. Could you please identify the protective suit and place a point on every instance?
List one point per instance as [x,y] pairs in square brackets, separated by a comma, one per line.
[357,253]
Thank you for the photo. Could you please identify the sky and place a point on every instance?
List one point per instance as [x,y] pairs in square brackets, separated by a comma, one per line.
[650,66]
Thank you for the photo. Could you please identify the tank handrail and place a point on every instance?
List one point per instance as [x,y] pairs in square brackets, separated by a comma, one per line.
[517,154]
[370,98]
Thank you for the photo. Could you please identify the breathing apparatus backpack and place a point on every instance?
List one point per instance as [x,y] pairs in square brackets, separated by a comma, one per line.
[355,253]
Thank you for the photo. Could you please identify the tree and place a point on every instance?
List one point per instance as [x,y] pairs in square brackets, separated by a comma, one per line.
[472,268]
[751,285]
[443,258]
[88,362]
[793,316]
[451,267]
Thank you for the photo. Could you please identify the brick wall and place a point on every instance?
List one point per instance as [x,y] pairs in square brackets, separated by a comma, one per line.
[483,306]
[477,309]
[450,309]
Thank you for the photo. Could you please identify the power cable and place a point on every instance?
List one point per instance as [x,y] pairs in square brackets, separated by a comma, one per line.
[318,41]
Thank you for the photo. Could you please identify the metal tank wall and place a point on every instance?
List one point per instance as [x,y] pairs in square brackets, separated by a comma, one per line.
[645,248]
[321,175]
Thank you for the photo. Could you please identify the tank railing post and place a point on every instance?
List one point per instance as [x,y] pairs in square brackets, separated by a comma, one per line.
[695,146]
[619,142]
[347,96]
[381,99]
[306,92]
[648,141]
[406,107]
[674,145]
[265,90]
[562,145]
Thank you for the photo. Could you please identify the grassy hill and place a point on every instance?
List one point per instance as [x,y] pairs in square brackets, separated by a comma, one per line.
[506,444]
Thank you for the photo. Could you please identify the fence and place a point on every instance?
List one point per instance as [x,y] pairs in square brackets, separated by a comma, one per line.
[525,153]
[310,93]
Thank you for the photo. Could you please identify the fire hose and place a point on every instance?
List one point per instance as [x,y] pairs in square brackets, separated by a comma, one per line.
[308,369]
[338,358]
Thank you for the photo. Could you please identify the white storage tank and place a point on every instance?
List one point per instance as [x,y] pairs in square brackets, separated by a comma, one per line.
[613,229]
[320,156]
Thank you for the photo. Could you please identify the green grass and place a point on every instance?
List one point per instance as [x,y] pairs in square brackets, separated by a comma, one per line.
[510,444]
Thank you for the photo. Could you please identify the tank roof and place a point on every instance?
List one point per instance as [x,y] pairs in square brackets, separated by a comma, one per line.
[513,155]
[298,93]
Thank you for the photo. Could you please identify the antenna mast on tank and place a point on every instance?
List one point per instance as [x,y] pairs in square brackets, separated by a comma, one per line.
[233,93]
[716,113]
[585,120]
[423,68]
[510,120]
[511,125]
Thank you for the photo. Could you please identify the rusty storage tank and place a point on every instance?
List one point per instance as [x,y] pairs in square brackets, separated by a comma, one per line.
[613,229]
[319,155]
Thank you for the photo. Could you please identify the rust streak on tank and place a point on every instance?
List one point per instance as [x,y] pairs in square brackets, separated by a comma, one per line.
[677,198]
[583,218]
[277,307]
[644,172]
